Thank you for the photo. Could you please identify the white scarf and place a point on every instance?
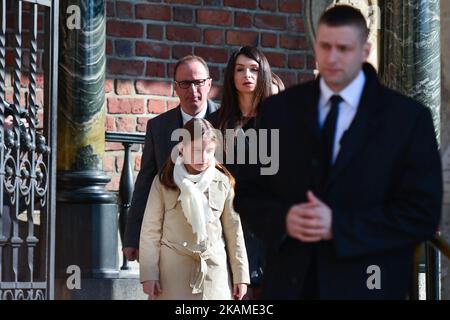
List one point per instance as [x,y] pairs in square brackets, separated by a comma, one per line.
[192,196]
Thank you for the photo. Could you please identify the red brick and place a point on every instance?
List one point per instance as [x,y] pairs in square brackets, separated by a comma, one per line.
[310,62]
[137,163]
[157,106]
[214,73]
[170,69]
[214,17]
[126,124]
[110,123]
[268,5]
[242,38]
[142,124]
[109,85]
[114,184]
[109,9]
[291,6]
[162,88]
[156,69]
[108,163]
[40,98]
[125,67]
[155,31]
[269,40]
[215,93]
[152,12]
[124,87]
[296,61]
[246,4]
[294,42]
[119,163]
[180,51]
[305,77]
[113,146]
[213,36]
[25,80]
[184,15]
[124,29]
[109,46]
[277,60]
[296,24]
[125,105]
[152,50]
[212,54]
[185,34]
[288,78]
[267,21]
[184,1]
[242,20]
[171,104]
[124,9]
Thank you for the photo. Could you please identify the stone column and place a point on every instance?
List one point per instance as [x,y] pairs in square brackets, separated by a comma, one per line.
[86,222]
[410,63]
[410,51]
[445,141]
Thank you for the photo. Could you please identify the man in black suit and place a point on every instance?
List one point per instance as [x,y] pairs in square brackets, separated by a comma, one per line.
[192,84]
[359,182]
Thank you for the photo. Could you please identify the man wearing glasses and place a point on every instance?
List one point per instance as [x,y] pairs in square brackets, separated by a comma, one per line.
[192,84]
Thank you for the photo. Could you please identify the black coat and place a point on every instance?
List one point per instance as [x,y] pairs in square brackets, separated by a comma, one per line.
[385,192]
[157,149]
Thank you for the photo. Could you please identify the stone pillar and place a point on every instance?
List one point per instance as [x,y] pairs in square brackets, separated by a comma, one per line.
[86,220]
[445,142]
[410,63]
[410,51]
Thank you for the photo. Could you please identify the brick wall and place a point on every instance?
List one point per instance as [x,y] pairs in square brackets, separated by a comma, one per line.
[145,39]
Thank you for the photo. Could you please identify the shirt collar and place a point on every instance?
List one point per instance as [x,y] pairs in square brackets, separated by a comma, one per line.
[351,94]
[186,117]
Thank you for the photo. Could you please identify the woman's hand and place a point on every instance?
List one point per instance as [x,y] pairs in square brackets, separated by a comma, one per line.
[152,288]
[239,291]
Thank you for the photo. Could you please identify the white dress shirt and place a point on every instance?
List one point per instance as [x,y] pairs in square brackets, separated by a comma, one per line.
[351,96]
[201,115]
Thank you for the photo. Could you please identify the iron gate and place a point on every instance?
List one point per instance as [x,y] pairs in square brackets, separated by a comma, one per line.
[28,57]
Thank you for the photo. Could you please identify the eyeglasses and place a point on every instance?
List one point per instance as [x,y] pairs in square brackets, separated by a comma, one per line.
[187,84]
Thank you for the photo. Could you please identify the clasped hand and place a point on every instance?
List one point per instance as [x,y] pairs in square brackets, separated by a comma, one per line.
[310,221]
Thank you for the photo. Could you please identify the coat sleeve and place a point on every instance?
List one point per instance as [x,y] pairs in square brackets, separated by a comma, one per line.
[151,232]
[412,211]
[234,239]
[141,191]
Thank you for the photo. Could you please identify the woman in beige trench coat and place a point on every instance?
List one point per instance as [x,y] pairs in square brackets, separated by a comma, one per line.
[184,258]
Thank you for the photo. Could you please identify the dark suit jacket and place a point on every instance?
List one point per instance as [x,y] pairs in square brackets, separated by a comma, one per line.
[157,149]
[385,192]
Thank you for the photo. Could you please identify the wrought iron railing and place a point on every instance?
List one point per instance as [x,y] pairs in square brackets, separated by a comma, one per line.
[28,155]
[126,185]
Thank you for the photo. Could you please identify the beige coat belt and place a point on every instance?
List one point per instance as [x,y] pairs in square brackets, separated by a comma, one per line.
[198,275]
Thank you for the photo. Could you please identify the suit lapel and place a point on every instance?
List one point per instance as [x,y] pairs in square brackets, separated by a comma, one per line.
[311,110]
[362,125]
[173,123]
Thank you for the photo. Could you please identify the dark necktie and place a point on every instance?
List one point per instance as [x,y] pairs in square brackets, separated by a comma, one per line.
[329,130]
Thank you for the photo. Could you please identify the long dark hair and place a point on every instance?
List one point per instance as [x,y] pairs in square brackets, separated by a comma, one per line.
[230,114]
[193,127]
